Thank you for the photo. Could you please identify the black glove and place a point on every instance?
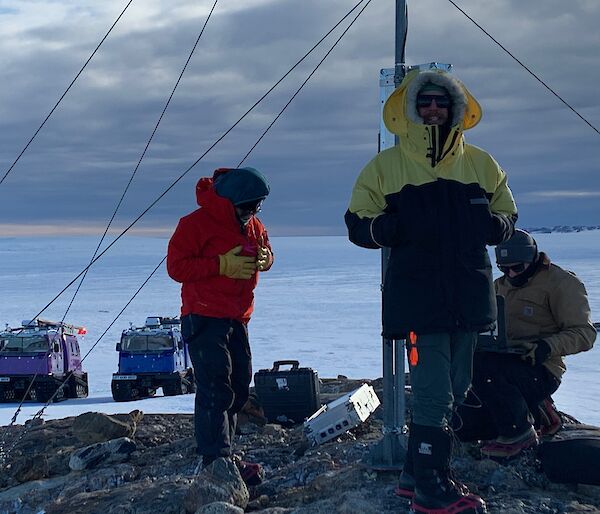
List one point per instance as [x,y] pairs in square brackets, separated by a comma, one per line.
[388,229]
[502,228]
[538,354]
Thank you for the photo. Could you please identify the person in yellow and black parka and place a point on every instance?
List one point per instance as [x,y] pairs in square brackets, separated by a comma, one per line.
[436,202]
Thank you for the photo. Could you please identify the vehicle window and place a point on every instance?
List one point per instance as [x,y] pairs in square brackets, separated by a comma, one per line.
[25,344]
[159,343]
[134,343]
[142,343]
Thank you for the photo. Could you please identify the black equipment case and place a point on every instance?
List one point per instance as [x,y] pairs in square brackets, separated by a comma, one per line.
[572,455]
[288,395]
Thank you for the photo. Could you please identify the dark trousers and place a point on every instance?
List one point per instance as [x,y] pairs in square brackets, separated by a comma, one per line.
[440,379]
[505,396]
[220,353]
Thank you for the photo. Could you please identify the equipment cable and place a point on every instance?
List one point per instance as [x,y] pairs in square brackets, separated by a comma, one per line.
[304,83]
[64,94]
[527,69]
[4,454]
[141,157]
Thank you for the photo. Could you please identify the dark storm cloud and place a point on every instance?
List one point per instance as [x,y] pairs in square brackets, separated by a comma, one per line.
[77,168]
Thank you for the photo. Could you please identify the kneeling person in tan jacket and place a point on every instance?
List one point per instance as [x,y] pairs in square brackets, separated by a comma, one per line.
[547,317]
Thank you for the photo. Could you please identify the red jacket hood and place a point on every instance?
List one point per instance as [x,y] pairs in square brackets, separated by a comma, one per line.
[207,198]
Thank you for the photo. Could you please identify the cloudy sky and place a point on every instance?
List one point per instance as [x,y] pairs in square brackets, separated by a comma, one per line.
[76,169]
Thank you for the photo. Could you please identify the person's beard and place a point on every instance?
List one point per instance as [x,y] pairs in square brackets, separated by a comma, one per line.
[435,118]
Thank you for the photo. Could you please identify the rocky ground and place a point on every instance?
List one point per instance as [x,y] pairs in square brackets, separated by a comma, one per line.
[136,463]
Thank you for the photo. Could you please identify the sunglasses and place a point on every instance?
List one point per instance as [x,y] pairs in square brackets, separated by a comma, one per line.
[250,207]
[442,102]
[517,268]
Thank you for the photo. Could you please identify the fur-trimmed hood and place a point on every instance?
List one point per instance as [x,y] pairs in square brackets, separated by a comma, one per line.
[400,109]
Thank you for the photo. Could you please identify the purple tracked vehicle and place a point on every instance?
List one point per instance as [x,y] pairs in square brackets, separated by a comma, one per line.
[36,358]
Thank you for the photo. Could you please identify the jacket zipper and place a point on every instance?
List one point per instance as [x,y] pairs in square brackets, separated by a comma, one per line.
[452,143]
[432,145]
[436,151]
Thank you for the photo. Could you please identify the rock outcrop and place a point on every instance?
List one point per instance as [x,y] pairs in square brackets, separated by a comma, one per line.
[160,473]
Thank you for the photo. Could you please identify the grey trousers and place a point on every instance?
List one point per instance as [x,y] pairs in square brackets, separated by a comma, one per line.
[442,376]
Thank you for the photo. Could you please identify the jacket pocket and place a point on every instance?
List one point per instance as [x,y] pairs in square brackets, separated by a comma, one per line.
[480,219]
[531,312]
[533,297]
[191,326]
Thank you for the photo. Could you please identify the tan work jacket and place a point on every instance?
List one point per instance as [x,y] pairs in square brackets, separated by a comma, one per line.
[552,306]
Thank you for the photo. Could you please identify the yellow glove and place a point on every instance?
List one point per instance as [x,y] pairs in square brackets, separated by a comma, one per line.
[233,265]
[264,258]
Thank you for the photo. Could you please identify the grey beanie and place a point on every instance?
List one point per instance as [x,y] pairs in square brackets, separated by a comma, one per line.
[241,185]
[521,247]
[430,87]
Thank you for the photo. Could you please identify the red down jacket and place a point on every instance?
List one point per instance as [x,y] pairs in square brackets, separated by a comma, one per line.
[193,257]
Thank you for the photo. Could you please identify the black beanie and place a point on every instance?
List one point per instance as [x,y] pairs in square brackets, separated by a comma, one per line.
[241,185]
[521,247]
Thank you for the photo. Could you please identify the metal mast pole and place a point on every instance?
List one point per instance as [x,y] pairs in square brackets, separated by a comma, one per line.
[401,33]
[390,452]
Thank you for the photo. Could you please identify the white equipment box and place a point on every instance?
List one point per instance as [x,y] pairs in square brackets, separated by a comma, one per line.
[341,415]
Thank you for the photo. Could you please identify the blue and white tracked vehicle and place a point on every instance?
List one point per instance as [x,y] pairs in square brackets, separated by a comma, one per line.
[151,357]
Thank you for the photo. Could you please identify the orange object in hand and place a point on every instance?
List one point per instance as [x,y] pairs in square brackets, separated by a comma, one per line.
[413,353]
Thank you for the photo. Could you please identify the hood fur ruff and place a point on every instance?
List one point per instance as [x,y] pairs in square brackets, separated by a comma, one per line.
[453,86]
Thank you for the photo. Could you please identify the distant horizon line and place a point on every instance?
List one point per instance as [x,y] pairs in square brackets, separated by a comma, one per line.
[8,230]
[52,230]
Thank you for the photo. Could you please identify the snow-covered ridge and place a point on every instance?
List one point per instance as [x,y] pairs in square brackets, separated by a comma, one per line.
[561,228]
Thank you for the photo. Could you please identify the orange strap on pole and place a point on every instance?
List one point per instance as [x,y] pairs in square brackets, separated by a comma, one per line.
[413,353]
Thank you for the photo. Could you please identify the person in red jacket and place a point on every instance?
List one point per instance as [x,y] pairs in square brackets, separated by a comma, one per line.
[216,253]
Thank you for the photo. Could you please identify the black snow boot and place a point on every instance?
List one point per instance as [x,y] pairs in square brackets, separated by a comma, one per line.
[435,491]
[406,482]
